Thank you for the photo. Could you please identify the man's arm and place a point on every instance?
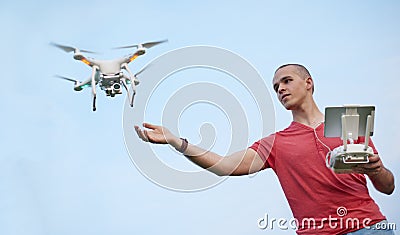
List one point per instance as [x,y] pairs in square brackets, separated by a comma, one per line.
[240,163]
[380,176]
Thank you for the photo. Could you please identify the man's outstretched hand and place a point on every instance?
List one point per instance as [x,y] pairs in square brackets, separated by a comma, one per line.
[156,134]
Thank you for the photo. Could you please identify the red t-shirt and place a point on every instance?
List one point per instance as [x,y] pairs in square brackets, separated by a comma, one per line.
[317,196]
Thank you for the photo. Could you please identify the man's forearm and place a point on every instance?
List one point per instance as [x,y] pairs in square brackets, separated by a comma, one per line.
[242,162]
[239,163]
[383,181]
[203,158]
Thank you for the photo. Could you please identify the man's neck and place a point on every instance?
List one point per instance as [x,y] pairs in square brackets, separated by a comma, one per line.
[308,114]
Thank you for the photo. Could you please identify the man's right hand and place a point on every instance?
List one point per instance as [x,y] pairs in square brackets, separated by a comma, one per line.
[157,135]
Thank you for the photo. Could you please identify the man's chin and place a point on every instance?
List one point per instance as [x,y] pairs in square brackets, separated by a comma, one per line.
[288,106]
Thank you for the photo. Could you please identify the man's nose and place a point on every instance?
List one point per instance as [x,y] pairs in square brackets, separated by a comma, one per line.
[281,89]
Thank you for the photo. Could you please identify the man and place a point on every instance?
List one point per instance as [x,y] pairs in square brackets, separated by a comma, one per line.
[297,156]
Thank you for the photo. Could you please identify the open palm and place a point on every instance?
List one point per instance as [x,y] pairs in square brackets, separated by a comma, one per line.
[154,134]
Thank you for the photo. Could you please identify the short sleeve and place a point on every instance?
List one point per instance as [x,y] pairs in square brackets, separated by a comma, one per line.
[265,149]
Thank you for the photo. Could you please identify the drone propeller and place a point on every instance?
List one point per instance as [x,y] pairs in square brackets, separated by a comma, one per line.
[67,78]
[70,49]
[145,45]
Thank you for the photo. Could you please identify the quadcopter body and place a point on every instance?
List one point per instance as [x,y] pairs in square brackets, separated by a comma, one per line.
[109,74]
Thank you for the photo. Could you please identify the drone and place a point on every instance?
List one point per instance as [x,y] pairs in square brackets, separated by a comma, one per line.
[108,74]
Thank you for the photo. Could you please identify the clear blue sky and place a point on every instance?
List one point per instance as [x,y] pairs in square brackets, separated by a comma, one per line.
[65,170]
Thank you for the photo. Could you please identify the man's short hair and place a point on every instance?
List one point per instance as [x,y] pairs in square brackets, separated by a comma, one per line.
[301,71]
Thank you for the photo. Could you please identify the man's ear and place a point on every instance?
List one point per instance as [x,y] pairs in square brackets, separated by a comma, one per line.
[310,84]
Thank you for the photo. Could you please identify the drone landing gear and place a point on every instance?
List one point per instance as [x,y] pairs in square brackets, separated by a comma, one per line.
[94,87]
[127,91]
[133,92]
[133,98]
[133,81]
[94,103]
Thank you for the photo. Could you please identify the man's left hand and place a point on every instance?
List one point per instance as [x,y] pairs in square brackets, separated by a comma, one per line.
[372,168]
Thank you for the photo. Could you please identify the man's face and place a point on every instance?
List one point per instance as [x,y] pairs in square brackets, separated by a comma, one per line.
[290,87]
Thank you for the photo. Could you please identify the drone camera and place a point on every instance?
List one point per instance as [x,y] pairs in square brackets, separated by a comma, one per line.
[116,89]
